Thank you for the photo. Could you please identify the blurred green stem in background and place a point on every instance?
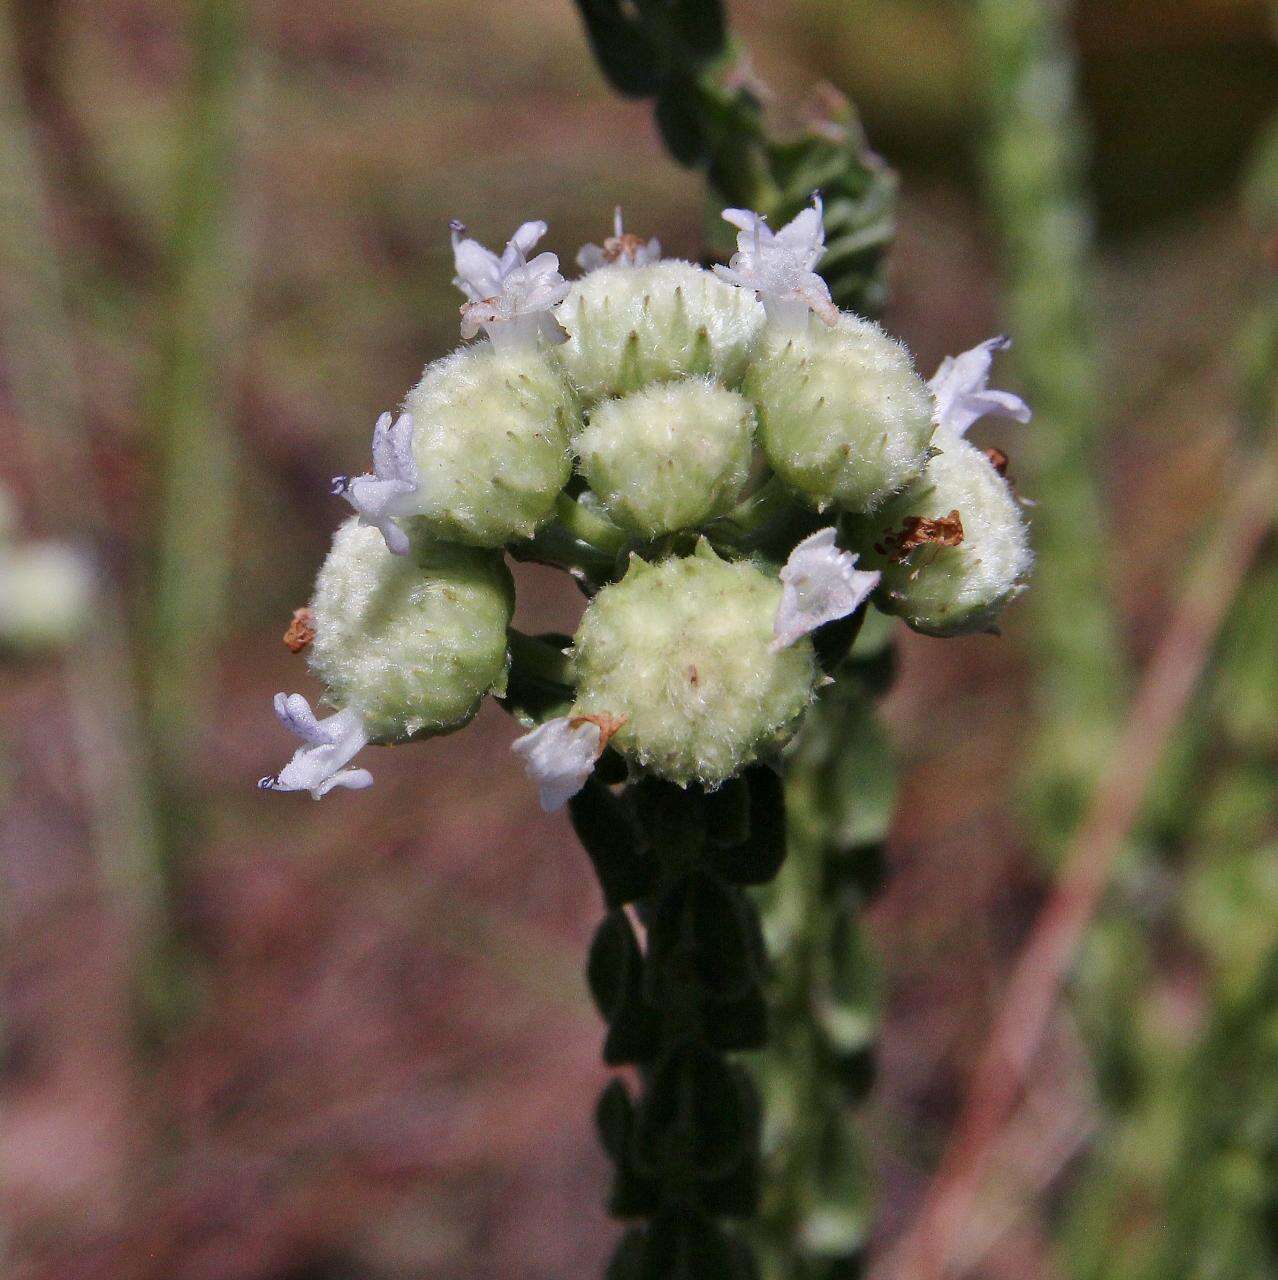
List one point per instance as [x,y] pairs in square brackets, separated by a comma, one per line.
[1185,1181]
[819,1064]
[193,398]
[50,407]
[1034,164]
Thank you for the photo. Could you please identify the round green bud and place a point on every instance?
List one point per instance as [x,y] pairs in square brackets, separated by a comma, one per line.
[843,417]
[672,456]
[412,643]
[630,326]
[954,548]
[681,653]
[490,437]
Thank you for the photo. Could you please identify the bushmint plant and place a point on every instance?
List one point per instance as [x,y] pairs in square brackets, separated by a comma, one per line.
[637,427]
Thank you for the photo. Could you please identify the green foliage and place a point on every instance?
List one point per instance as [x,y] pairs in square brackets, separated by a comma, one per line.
[1184,1182]
[819,1064]
[711,117]
[686,1150]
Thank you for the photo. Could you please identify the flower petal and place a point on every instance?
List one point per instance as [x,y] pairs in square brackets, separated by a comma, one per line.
[559,756]
[960,387]
[779,265]
[820,584]
[510,297]
[329,746]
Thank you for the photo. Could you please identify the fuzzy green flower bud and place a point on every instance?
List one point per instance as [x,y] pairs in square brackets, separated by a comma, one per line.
[629,326]
[672,456]
[843,417]
[953,549]
[411,643]
[681,653]
[490,439]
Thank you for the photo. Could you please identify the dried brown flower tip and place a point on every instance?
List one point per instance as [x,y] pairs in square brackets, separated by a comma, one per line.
[627,246]
[922,531]
[301,631]
[608,726]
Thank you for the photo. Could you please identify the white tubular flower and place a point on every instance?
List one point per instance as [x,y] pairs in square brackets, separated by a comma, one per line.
[390,490]
[778,264]
[620,248]
[961,390]
[329,746]
[821,584]
[559,756]
[509,298]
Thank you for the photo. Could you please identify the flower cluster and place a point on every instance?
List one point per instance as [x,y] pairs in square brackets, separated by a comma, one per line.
[724,460]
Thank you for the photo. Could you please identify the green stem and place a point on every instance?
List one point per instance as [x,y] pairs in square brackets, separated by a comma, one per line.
[686,1150]
[1034,168]
[590,527]
[538,659]
[191,403]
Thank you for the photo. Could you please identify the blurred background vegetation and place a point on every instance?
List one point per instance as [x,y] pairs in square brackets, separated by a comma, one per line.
[284,1041]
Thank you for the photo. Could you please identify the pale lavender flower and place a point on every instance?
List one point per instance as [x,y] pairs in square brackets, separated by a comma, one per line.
[779,264]
[509,297]
[961,390]
[390,491]
[328,747]
[620,248]
[559,756]
[821,584]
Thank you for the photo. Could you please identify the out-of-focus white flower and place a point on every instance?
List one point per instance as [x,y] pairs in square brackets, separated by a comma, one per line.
[389,491]
[509,297]
[559,756]
[46,594]
[328,747]
[961,389]
[620,248]
[821,584]
[779,264]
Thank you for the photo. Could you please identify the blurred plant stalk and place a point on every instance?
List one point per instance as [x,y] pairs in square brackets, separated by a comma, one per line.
[1191,1148]
[1034,165]
[50,407]
[204,292]
[825,1001]
[1034,171]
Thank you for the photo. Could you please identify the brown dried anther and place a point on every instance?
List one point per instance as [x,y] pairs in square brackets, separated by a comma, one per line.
[998,460]
[624,246]
[922,531]
[301,631]
[607,725]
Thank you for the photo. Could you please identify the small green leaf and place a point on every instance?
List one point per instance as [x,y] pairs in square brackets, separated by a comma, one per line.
[615,965]
[728,815]
[702,933]
[679,122]
[605,825]
[626,52]
[701,26]
[697,1118]
[685,1245]
[737,1025]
